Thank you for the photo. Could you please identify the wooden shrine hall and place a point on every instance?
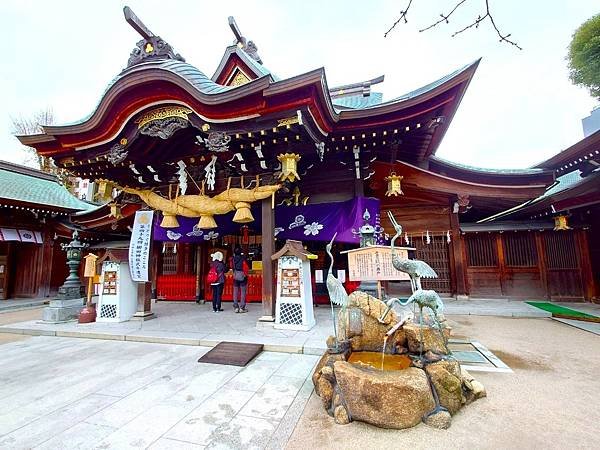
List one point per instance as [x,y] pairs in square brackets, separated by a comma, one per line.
[243,157]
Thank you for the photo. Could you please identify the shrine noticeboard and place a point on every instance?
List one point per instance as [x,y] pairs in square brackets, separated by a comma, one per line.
[374,263]
[139,247]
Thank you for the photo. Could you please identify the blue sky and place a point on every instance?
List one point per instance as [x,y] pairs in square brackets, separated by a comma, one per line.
[520,108]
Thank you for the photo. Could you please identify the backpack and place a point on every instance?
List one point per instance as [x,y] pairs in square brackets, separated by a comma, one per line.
[212,276]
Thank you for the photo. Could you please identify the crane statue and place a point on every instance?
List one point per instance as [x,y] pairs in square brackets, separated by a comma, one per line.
[424,299]
[413,267]
[337,293]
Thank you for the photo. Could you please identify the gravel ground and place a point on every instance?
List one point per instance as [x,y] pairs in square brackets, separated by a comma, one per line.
[552,400]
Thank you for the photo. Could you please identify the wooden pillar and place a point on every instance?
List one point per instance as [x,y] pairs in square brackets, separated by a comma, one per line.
[585,264]
[46,272]
[268,248]
[144,291]
[199,272]
[542,267]
[458,257]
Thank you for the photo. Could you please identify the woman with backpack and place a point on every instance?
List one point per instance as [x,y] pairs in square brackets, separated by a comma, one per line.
[216,278]
[240,268]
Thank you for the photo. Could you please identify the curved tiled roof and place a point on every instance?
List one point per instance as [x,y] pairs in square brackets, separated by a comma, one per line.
[25,185]
[528,171]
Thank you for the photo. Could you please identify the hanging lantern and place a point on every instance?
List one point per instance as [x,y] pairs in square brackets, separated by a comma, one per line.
[561,223]
[105,189]
[394,186]
[289,166]
[115,211]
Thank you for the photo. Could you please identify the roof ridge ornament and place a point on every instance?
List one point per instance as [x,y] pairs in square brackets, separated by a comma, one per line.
[151,46]
[248,46]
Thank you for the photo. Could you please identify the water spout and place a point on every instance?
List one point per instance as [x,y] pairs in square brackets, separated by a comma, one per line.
[385,338]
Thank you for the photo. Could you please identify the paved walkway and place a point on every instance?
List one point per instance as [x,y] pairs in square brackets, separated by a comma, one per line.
[21,303]
[63,393]
[192,324]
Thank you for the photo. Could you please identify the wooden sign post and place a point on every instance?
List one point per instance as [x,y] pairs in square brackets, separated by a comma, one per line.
[374,264]
[88,314]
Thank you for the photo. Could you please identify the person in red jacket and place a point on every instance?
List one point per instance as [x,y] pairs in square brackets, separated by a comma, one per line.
[239,265]
[217,270]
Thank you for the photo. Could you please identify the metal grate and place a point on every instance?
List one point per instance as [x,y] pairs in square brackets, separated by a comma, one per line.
[520,249]
[108,311]
[481,250]
[290,314]
[437,256]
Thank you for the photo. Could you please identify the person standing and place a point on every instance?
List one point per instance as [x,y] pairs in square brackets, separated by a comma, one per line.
[216,278]
[240,268]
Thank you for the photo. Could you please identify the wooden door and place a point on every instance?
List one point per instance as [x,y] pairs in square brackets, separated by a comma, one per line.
[562,266]
[435,254]
[26,270]
[520,274]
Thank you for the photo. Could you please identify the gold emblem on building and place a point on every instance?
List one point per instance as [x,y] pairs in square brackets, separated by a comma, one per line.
[163,113]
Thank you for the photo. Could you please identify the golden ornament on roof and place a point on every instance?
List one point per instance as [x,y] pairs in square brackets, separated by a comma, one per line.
[394,185]
[289,166]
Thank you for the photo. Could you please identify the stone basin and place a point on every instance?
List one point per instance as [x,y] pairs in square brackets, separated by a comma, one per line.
[352,385]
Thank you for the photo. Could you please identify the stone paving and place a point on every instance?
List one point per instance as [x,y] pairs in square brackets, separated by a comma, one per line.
[192,324]
[64,393]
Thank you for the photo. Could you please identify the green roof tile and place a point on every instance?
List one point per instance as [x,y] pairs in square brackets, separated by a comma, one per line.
[40,190]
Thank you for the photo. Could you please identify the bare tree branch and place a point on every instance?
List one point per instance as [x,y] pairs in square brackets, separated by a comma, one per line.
[445,17]
[402,16]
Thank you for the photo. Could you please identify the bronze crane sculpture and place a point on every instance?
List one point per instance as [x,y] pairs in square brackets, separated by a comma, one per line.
[337,293]
[413,267]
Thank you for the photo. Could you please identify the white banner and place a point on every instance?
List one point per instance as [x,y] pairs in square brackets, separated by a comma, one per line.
[139,247]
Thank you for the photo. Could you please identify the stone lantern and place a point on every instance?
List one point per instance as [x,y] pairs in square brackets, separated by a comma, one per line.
[69,300]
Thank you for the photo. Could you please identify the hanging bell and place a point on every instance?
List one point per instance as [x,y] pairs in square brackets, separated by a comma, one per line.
[289,166]
[394,185]
[561,223]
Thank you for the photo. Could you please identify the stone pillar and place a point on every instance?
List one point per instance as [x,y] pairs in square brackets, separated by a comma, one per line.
[268,249]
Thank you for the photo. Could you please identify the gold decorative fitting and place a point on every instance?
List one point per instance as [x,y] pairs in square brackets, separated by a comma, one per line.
[239,78]
[115,211]
[163,113]
[205,127]
[104,193]
[287,121]
[123,141]
[289,166]
[561,223]
[394,185]
[149,48]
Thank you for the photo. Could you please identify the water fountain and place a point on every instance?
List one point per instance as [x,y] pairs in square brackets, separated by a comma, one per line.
[391,371]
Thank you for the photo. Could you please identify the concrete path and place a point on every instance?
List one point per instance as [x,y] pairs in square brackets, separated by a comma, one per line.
[64,393]
[21,303]
[197,325]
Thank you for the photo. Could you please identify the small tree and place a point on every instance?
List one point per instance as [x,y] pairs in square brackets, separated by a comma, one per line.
[22,126]
[584,56]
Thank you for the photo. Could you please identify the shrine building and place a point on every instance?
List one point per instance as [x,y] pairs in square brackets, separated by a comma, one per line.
[262,159]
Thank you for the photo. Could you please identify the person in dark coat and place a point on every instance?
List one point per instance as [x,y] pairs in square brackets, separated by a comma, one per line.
[217,286]
[239,265]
